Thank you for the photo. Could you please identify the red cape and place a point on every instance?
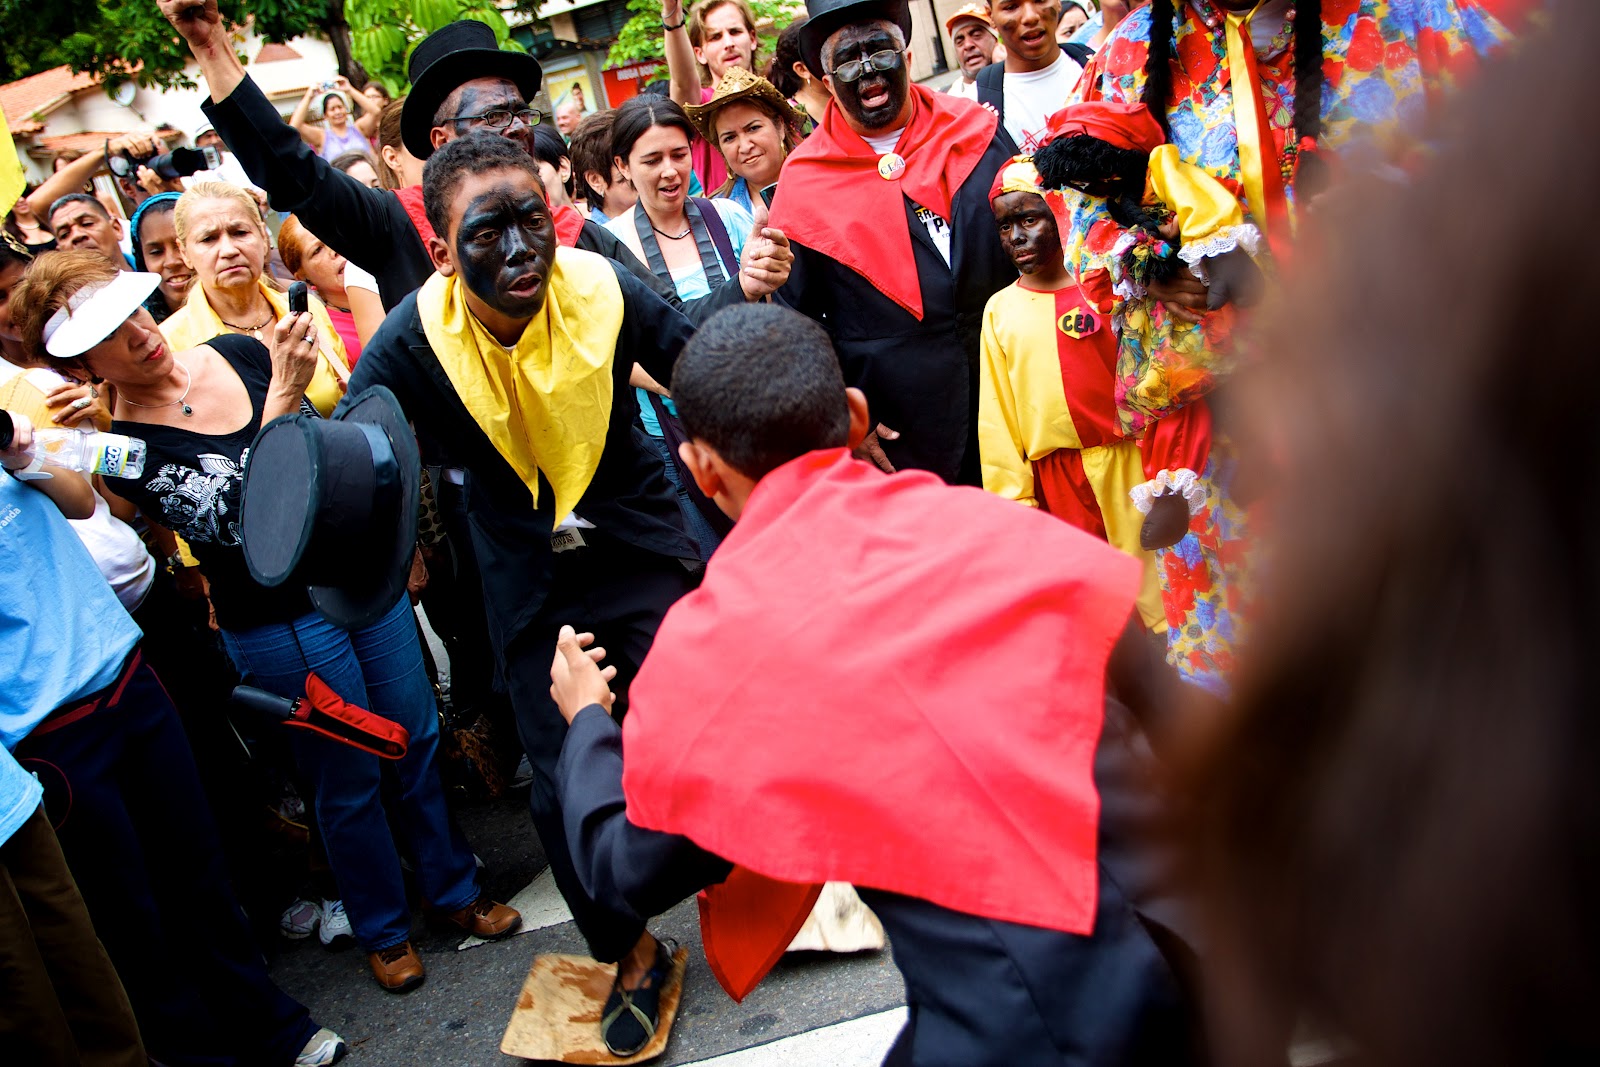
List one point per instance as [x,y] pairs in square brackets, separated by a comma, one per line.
[888,681]
[832,199]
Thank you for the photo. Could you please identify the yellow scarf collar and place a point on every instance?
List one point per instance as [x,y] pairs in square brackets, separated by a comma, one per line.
[545,405]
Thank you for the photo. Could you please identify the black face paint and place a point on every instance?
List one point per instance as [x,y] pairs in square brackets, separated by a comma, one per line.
[505,246]
[475,101]
[1028,231]
[857,43]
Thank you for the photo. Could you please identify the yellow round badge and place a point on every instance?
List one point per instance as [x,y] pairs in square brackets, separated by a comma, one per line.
[891,166]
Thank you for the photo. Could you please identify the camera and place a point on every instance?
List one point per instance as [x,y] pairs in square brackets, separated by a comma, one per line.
[178,163]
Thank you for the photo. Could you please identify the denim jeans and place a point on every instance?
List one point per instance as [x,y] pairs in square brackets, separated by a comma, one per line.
[378,668]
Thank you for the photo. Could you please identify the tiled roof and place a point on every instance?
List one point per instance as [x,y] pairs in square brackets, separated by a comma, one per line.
[274,52]
[21,100]
[94,139]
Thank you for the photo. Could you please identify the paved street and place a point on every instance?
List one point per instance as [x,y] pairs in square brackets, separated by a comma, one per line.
[814,1009]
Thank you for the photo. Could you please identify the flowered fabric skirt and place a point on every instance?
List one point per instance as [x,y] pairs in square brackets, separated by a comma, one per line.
[1205,587]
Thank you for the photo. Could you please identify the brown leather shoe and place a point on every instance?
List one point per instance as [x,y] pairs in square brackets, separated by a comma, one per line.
[486,919]
[397,968]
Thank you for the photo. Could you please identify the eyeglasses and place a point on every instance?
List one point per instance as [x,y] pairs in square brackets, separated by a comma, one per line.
[853,70]
[498,118]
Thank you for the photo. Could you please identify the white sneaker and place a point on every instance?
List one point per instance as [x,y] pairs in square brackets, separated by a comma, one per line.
[335,931]
[325,1047]
[299,920]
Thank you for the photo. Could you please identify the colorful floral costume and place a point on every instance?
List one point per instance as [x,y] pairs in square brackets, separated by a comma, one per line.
[1383,60]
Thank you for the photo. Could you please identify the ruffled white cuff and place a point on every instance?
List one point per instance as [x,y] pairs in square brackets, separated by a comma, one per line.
[1194,253]
[1183,482]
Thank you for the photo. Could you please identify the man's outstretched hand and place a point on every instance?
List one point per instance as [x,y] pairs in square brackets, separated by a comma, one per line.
[576,677]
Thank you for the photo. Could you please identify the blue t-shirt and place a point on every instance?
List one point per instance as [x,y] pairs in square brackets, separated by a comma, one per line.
[20,793]
[63,633]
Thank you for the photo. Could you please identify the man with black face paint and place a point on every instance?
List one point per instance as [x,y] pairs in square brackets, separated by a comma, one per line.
[886,207]
[513,359]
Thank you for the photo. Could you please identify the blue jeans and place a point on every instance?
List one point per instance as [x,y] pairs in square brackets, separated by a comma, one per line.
[378,668]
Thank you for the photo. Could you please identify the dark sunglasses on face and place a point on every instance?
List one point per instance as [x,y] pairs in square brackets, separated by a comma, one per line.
[498,118]
[888,59]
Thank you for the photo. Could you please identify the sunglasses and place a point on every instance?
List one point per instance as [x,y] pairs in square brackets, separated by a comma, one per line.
[888,59]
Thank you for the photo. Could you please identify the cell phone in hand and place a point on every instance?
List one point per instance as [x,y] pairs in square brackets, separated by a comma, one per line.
[768,193]
[299,299]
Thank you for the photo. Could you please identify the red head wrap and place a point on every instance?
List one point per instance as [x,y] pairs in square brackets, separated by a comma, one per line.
[1120,125]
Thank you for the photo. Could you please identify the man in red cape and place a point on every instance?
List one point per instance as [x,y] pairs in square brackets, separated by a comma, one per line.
[872,686]
[886,207]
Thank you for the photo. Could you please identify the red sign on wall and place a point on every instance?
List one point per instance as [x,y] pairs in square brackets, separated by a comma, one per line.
[623,83]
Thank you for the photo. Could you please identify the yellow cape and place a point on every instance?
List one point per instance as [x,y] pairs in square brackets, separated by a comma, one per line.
[545,404]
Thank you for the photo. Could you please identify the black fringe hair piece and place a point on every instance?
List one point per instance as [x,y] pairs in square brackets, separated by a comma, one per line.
[1079,159]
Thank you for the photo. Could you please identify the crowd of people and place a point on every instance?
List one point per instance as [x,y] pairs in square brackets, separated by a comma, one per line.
[812,477]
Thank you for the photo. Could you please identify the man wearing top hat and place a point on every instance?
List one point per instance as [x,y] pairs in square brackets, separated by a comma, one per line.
[886,207]
[461,81]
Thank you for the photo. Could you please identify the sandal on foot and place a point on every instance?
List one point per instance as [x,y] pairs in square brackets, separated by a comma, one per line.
[631,1016]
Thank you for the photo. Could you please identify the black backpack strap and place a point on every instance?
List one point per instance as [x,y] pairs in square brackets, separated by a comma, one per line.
[719,233]
[1078,52]
[991,83]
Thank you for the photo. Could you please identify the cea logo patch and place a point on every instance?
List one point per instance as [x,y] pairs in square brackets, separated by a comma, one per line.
[1078,323]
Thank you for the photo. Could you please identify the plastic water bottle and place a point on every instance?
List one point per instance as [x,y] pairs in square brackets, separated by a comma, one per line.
[114,455]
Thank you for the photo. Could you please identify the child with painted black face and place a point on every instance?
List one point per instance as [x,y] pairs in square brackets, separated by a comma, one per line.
[513,362]
[1047,426]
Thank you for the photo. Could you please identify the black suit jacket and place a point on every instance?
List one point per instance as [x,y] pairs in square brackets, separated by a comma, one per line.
[629,499]
[921,377]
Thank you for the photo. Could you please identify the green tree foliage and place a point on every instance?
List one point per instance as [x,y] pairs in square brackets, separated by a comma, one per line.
[131,38]
[383,32]
[641,37]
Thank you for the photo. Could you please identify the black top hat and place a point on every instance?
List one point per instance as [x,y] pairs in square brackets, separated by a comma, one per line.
[443,60]
[830,15]
[332,504]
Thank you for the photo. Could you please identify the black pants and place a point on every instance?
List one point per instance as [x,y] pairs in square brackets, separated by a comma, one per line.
[121,788]
[618,593]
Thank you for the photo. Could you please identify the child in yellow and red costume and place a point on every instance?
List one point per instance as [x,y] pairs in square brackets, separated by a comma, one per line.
[1048,432]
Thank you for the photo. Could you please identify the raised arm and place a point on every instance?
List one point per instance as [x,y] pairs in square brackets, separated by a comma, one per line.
[75,175]
[365,115]
[310,131]
[200,24]
[683,71]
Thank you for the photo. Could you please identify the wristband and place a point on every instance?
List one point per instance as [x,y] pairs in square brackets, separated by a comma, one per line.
[680,24]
